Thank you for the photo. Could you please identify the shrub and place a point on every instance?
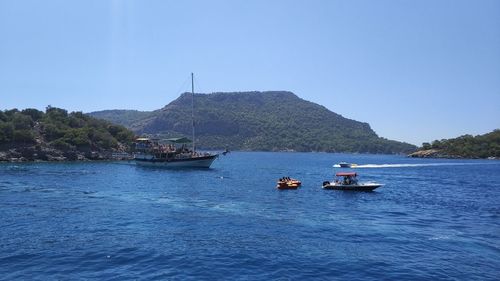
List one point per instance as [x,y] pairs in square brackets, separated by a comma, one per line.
[24,136]
[35,114]
[61,144]
[75,122]
[77,137]
[52,132]
[55,113]
[6,132]
[21,121]
[3,117]
[125,136]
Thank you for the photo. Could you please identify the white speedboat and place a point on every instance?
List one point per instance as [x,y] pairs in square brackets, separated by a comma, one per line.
[348,181]
[347,165]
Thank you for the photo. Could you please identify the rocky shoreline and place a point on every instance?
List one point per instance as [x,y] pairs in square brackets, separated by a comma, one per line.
[46,154]
[32,135]
[437,153]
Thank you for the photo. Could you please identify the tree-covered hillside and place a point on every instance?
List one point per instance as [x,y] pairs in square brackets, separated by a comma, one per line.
[122,117]
[466,146]
[55,134]
[268,121]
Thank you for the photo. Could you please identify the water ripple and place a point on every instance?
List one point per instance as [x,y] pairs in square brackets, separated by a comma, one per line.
[104,221]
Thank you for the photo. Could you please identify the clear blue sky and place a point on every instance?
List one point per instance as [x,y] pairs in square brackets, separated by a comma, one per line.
[415,70]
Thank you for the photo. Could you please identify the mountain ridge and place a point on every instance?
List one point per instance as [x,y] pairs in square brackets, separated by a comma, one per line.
[267,121]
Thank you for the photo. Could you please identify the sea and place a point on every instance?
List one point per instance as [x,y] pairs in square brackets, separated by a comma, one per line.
[434,219]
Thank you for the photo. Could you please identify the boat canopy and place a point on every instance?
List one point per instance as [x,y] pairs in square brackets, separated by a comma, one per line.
[346,174]
[179,140]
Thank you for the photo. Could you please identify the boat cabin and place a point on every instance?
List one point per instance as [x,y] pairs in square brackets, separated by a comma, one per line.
[346,178]
[164,148]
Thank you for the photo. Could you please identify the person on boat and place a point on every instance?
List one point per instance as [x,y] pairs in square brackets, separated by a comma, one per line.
[346,180]
[354,180]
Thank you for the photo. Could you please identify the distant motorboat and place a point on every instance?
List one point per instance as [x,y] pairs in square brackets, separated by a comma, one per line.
[348,181]
[347,165]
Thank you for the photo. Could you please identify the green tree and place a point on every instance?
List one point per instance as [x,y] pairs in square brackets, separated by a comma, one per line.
[35,114]
[437,144]
[3,117]
[10,113]
[24,137]
[55,113]
[6,132]
[104,139]
[125,136]
[58,129]
[52,132]
[21,121]
[61,144]
[75,122]
[426,145]
[77,137]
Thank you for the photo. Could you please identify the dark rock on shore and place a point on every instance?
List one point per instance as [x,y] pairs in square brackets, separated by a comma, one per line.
[437,153]
[432,153]
[30,154]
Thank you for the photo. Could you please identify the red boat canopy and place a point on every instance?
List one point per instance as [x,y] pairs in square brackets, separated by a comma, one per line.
[346,174]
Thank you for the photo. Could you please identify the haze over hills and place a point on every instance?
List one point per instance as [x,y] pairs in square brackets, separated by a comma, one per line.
[267,121]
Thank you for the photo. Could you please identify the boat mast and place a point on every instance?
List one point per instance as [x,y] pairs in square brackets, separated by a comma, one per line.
[192,105]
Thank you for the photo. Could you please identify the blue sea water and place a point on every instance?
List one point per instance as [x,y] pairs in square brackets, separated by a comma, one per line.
[433,220]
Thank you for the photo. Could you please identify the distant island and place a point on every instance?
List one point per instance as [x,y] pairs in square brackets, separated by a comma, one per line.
[466,146]
[56,135]
[257,121]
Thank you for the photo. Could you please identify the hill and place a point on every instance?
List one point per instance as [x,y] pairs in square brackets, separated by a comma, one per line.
[55,134]
[266,121]
[122,117]
[466,146]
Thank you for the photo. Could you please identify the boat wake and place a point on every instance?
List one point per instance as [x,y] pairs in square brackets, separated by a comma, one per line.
[373,166]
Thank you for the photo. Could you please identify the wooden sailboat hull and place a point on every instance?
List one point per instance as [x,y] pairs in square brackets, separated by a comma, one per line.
[193,162]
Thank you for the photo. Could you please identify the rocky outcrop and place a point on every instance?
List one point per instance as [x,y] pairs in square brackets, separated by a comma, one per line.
[431,153]
[40,153]
[427,153]
[56,135]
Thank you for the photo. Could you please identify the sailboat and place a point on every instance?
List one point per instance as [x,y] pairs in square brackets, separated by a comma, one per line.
[173,152]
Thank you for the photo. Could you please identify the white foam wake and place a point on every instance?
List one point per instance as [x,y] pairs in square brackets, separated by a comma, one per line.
[403,165]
